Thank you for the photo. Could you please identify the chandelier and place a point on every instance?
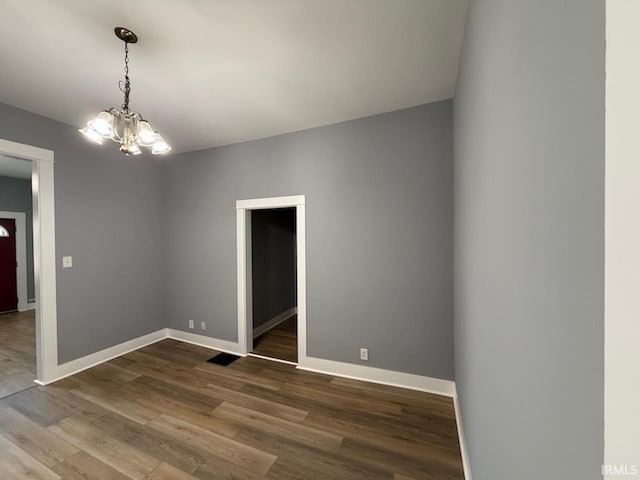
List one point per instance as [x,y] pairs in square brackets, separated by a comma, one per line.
[122,125]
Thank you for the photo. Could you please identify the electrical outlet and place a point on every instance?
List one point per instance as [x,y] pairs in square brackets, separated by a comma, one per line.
[364,354]
[190,323]
[203,326]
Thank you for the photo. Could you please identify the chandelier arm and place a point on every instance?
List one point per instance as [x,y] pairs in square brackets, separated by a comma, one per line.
[116,136]
[116,113]
[133,117]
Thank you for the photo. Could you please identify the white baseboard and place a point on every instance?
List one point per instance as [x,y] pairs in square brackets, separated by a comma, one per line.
[461,439]
[26,307]
[94,359]
[378,375]
[204,341]
[275,321]
[329,367]
[88,361]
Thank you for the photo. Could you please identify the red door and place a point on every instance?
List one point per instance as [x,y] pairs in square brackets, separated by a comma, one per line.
[8,281]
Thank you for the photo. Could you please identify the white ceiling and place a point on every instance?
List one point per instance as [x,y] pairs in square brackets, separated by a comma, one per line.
[208,73]
[15,167]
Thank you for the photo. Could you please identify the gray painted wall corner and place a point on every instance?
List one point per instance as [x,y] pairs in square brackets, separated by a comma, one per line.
[379,234]
[108,218]
[529,238]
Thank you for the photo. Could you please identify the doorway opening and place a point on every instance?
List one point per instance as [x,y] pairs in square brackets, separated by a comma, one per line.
[273,283]
[28,332]
[17,292]
[271,278]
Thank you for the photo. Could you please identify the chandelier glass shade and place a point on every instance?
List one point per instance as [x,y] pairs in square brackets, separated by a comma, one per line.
[122,125]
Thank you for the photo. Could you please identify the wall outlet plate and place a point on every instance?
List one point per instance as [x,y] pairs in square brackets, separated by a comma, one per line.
[203,326]
[364,354]
[67,262]
[190,323]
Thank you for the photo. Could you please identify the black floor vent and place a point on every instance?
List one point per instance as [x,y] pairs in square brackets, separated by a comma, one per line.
[223,359]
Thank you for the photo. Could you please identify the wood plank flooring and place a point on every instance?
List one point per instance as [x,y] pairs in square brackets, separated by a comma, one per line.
[163,412]
[17,351]
[280,342]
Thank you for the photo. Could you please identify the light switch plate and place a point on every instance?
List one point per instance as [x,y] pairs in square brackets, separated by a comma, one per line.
[67,262]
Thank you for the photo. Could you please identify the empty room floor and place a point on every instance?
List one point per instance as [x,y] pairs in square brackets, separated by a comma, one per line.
[17,351]
[280,342]
[164,412]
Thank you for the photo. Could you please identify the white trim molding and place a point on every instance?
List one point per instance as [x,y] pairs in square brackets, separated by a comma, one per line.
[83,363]
[21,256]
[328,367]
[243,252]
[204,341]
[301,272]
[27,152]
[621,240]
[44,254]
[379,375]
[274,322]
[464,453]
[271,202]
[94,359]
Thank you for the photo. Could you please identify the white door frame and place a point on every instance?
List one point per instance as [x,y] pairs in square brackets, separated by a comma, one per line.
[44,254]
[245,301]
[21,256]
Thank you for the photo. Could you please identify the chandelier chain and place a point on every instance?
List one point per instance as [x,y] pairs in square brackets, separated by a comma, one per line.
[127,82]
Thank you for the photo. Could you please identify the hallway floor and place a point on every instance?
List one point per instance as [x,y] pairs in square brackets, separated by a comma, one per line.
[17,351]
[280,342]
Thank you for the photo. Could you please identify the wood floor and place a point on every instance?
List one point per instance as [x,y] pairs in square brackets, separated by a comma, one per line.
[163,412]
[280,342]
[17,352]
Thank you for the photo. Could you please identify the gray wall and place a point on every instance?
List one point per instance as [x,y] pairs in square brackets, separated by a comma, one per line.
[529,238]
[379,234]
[109,218]
[15,196]
[273,255]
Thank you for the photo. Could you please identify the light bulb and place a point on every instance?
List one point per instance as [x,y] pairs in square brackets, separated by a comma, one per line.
[103,124]
[130,149]
[160,146]
[146,136]
[91,135]
[134,149]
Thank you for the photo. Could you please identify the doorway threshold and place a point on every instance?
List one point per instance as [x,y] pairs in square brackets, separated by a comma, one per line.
[273,359]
